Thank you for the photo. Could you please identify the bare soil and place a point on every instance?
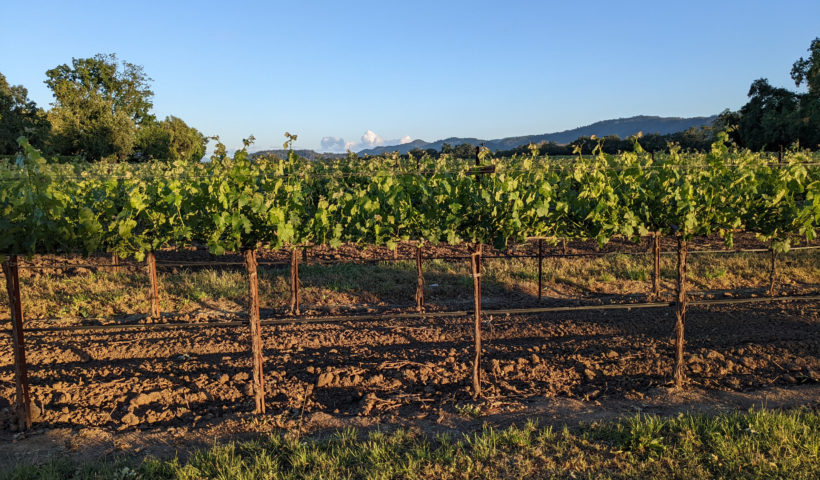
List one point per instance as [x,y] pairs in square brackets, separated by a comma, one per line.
[160,391]
[364,373]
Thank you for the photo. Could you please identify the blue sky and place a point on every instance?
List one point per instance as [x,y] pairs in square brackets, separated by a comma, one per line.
[417,69]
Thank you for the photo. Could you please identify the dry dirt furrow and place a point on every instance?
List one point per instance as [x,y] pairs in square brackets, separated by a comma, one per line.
[408,367]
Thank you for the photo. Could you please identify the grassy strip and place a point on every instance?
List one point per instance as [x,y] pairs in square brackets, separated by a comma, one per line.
[754,444]
[109,293]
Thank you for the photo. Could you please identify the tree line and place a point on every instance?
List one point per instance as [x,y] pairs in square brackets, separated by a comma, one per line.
[775,118]
[101,111]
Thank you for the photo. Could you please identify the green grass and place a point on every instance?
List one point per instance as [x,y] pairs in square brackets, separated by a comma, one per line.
[715,273]
[469,410]
[753,444]
[107,293]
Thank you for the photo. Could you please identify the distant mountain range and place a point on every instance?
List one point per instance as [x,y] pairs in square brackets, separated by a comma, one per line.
[309,154]
[622,127]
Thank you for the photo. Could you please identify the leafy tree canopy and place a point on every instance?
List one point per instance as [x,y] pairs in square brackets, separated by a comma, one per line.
[123,84]
[170,139]
[19,116]
[90,128]
[807,70]
[774,117]
[769,119]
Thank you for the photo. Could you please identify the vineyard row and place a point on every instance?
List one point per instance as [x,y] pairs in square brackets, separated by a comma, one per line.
[239,204]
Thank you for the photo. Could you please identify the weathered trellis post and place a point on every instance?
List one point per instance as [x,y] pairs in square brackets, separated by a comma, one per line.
[772,270]
[153,293]
[420,283]
[475,263]
[256,330]
[115,259]
[680,314]
[656,266]
[22,402]
[294,281]
[540,267]
[475,267]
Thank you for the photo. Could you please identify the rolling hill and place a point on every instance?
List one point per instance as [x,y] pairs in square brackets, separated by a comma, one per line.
[622,127]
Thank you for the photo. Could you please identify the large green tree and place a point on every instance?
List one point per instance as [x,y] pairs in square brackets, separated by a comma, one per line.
[99,103]
[92,129]
[776,117]
[19,116]
[170,139]
[769,119]
[807,70]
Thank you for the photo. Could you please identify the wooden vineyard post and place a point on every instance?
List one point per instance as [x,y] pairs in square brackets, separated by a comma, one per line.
[656,266]
[475,263]
[256,330]
[294,281]
[680,315]
[476,269]
[772,271]
[540,267]
[151,260]
[420,284]
[115,259]
[22,402]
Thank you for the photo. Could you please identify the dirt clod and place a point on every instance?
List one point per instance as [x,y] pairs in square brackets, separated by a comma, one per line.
[324,379]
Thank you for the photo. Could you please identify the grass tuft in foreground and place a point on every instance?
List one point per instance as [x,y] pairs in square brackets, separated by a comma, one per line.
[755,444]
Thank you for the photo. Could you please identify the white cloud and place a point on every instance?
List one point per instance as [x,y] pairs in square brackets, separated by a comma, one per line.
[369,139]
[333,144]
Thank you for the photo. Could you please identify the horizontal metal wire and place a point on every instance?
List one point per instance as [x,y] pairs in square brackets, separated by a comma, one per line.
[23,266]
[411,315]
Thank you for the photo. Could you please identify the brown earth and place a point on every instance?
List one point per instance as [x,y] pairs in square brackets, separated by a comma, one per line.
[417,369]
[97,393]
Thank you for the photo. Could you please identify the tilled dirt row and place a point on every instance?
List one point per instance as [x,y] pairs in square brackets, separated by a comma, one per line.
[412,368]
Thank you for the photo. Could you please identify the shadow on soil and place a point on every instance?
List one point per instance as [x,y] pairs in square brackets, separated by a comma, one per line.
[182,377]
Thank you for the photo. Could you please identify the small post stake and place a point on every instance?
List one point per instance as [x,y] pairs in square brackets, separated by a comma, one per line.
[294,281]
[540,267]
[420,284]
[153,294]
[772,271]
[656,266]
[476,269]
[256,331]
[22,402]
[680,315]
